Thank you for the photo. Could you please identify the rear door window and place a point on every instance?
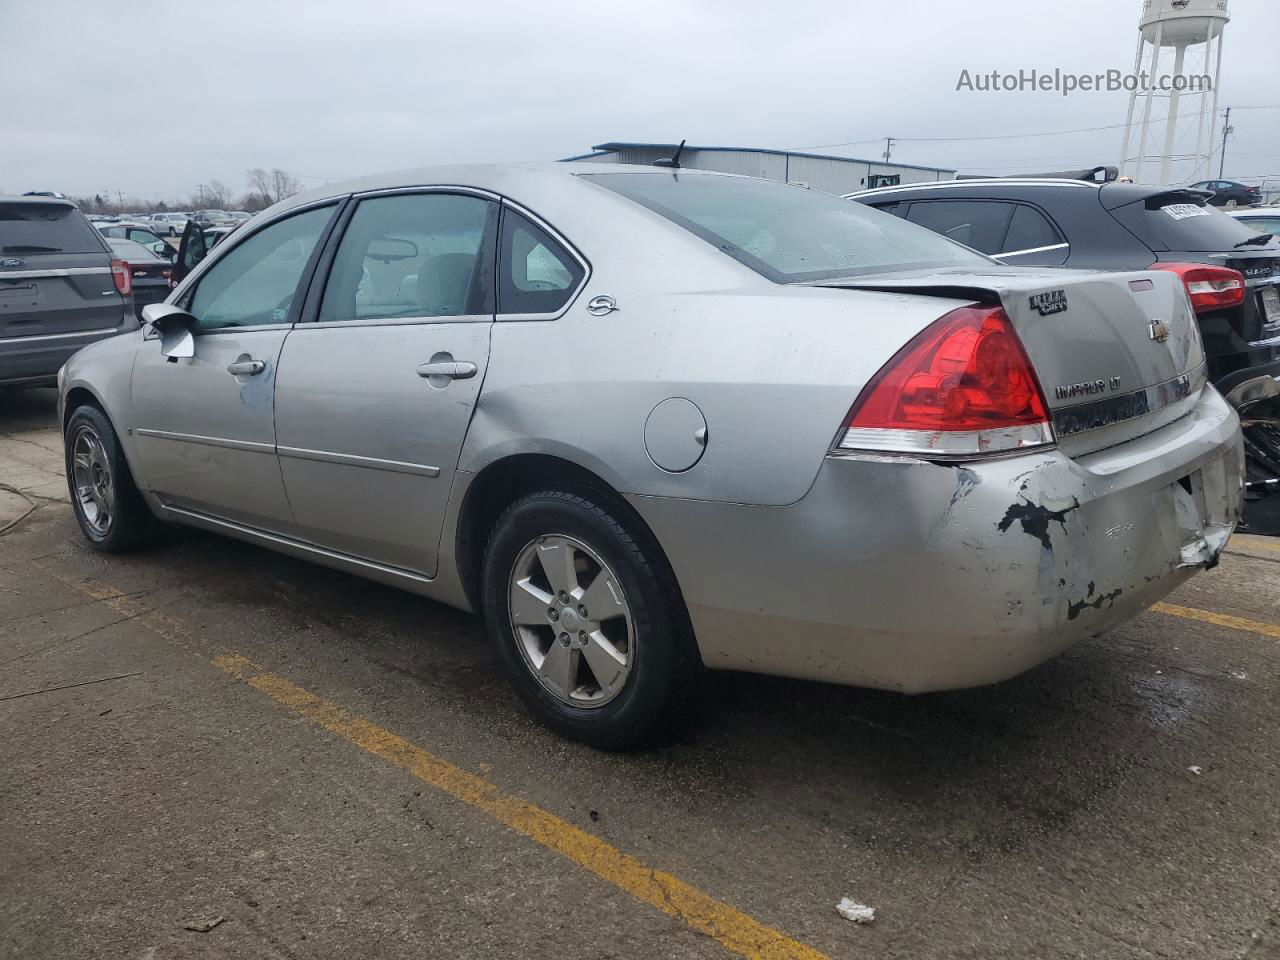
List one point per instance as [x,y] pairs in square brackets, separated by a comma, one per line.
[537,274]
[37,228]
[980,224]
[414,255]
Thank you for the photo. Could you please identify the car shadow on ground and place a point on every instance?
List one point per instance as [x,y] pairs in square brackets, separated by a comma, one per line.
[986,770]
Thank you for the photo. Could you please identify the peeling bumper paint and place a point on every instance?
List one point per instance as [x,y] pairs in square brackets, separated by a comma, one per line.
[914,576]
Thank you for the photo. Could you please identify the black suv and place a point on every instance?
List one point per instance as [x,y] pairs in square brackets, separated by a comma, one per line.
[60,288]
[1232,273]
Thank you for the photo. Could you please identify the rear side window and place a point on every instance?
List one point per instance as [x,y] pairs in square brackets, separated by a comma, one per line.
[1030,230]
[1263,224]
[1182,222]
[413,255]
[980,224]
[46,228]
[538,275]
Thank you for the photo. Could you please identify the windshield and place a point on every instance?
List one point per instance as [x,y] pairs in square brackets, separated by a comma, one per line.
[46,228]
[787,233]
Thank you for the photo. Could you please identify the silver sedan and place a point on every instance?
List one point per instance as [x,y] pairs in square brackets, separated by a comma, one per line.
[648,420]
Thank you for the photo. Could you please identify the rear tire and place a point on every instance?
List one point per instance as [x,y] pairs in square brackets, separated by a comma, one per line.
[571,565]
[107,505]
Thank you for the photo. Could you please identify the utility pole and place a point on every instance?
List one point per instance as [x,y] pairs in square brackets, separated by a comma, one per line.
[888,147]
[1226,132]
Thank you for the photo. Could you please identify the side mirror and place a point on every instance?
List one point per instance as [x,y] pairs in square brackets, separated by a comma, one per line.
[173,324]
[163,250]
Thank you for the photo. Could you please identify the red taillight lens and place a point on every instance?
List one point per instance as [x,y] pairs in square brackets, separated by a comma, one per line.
[120,274]
[963,386]
[1210,288]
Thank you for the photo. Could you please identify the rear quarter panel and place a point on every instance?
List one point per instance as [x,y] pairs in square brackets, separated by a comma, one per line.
[773,369]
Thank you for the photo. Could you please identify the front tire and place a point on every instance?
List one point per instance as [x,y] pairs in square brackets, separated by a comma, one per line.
[588,619]
[107,505]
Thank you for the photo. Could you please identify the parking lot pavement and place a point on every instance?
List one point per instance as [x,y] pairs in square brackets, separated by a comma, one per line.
[297,763]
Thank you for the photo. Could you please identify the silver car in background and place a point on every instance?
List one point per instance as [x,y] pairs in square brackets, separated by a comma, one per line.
[646,420]
[169,224]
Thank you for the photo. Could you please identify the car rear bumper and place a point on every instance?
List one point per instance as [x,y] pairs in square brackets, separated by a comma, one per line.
[36,360]
[912,576]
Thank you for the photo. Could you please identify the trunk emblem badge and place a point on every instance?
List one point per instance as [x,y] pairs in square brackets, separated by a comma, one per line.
[12,263]
[1159,331]
[1054,301]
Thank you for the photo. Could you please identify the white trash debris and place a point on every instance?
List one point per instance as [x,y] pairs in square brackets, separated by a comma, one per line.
[857,912]
[1196,770]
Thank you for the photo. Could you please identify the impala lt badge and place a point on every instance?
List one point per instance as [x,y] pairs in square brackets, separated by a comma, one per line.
[1055,301]
[1159,330]
[1089,388]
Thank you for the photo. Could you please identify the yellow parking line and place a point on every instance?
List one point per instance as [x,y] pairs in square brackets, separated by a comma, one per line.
[1219,619]
[733,929]
[1245,541]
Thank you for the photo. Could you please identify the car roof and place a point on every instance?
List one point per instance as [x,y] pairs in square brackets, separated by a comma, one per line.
[1113,194]
[1244,213]
[130,247]
[494,177]
[36,201]
[978,184]
[123,223]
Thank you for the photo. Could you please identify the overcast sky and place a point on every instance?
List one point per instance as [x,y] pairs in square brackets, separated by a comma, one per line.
[151,100]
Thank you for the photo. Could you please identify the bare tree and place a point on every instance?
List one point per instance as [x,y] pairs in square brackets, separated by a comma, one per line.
[269,186]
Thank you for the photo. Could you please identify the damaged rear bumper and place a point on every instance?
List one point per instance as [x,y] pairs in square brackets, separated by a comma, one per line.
[914,576]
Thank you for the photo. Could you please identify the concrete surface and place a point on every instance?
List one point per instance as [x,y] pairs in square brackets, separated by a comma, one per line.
[1053,816]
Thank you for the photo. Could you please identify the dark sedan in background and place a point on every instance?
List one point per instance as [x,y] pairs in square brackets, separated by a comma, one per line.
[1229,193]
[148,273]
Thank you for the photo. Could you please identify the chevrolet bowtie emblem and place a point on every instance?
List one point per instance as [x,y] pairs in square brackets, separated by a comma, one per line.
[1159,331]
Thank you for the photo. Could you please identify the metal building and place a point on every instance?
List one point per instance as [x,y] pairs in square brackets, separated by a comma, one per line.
[838,175]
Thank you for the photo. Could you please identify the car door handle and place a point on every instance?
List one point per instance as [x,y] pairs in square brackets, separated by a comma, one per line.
[246,368]
[450,369]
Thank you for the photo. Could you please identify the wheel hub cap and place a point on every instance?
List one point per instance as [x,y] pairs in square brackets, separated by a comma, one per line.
[571,621]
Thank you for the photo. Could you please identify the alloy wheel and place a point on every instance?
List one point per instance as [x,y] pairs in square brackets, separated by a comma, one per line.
[571,621]
[91,476]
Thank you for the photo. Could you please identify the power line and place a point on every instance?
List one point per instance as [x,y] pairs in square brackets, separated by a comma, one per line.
[1018,136]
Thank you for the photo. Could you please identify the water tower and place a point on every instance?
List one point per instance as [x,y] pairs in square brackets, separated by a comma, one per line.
[1180,40]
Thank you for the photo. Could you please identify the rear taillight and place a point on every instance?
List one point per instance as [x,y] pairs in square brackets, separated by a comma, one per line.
[963,387]
[1210,288]
[120,274]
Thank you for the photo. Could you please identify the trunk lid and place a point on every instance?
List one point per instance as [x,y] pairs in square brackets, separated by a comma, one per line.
[1118,355]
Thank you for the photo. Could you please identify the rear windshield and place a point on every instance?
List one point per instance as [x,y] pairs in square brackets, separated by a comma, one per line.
[45,228]
[1183,222]
[788,233]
